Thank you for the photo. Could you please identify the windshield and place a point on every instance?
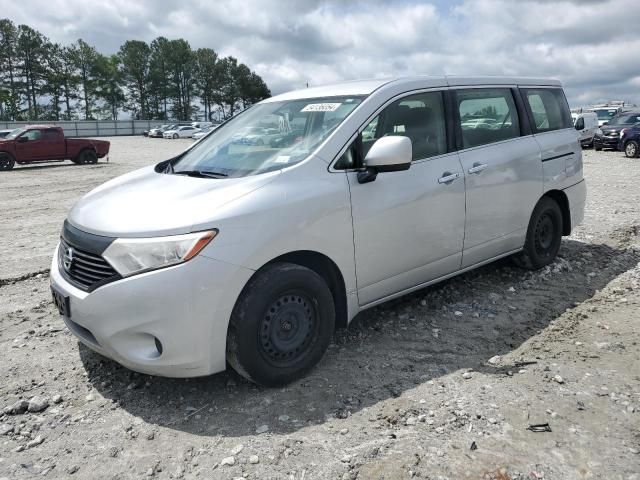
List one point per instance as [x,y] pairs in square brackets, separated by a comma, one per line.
[15,133]
[605,113]
[625,120]
[266,137]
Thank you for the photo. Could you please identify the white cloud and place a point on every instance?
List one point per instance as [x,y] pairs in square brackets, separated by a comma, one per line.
[589,45]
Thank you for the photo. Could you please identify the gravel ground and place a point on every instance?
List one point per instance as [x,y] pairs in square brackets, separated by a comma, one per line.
[441,384]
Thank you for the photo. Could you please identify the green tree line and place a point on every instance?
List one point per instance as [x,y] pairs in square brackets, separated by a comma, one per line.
[164,79]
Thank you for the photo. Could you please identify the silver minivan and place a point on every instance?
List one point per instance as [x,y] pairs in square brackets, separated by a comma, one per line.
[254,244]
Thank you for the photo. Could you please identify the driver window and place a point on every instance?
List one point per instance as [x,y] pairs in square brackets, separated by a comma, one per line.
[419,117]
[32,135]
[487,116]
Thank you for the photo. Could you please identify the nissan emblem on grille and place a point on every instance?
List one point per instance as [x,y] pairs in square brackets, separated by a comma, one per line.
[67,259]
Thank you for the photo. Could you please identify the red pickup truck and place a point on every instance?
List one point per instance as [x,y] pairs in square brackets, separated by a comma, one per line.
[41,143]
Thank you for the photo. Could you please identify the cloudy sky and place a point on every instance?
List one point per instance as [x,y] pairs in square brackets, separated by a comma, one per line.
[593,46]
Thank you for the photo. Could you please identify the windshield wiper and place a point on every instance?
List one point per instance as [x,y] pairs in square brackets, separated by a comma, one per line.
[201,173]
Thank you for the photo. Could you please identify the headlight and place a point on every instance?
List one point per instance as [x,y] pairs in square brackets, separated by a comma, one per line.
[129,256]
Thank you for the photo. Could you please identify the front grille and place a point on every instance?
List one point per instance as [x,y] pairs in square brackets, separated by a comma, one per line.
[85,270]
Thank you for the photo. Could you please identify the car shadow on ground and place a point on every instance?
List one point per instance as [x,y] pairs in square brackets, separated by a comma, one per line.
[457,324]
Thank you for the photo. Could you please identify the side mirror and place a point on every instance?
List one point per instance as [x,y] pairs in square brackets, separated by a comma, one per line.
[580,124]
[387,154]
[605,123]
[22,139]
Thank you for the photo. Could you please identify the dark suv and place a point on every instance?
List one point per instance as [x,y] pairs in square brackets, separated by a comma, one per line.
[609,134]
[630,141]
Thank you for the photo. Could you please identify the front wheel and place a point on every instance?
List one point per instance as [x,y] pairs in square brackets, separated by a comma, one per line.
[6,161]
[632,149]
[544,236]
[175,135]
[281,325]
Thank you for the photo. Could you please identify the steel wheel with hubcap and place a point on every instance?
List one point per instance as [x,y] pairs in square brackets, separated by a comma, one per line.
[281,324]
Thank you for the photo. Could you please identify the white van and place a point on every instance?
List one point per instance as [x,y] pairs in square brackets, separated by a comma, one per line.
[586,124]
[248,250]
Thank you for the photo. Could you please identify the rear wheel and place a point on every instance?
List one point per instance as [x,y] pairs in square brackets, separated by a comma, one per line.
[281,325]
[6,161]
[632,149]
[544,236]
[86,157]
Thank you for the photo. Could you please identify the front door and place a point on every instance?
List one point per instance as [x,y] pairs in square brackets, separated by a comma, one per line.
[503,173]
[408,226]
[31,149]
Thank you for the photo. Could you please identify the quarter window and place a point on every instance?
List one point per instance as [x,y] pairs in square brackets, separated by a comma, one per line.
[487,115]
[549,109]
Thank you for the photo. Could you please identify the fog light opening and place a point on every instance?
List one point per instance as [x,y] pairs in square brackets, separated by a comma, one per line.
[158,345]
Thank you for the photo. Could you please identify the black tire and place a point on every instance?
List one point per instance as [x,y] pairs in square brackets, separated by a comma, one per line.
[544,236]
[86,157]
[632,149]
[281,325]
[6,161]
[175,135]
[597,149]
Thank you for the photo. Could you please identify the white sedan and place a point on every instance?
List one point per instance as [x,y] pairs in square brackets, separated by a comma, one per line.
[181,132]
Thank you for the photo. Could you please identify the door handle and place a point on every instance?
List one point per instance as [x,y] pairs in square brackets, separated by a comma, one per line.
[448,177]
[477,167]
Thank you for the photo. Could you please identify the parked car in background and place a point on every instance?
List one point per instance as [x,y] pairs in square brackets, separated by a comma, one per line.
[238,254]
[203,132]
[5,132]
[608,136]
[40,143]
[201,125]
[158,130]
[630,141]
[586,124]
[605,114]
[480,123]
[185,131]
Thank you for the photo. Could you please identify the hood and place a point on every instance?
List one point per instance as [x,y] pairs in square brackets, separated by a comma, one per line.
[613,128]
[145,203]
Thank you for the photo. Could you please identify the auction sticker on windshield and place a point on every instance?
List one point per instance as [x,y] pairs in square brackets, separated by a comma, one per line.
[321,107]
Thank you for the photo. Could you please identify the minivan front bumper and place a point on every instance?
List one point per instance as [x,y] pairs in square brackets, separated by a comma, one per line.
[170,322]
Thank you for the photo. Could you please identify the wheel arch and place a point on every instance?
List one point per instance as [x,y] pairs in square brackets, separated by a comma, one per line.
[328,270]
[84,149]
[563,202]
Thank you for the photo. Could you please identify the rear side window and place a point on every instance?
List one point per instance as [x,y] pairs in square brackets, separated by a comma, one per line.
[50,135]
[487,115]
[549,109]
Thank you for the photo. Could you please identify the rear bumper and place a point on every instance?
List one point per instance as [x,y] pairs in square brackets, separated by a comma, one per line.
[577,196]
